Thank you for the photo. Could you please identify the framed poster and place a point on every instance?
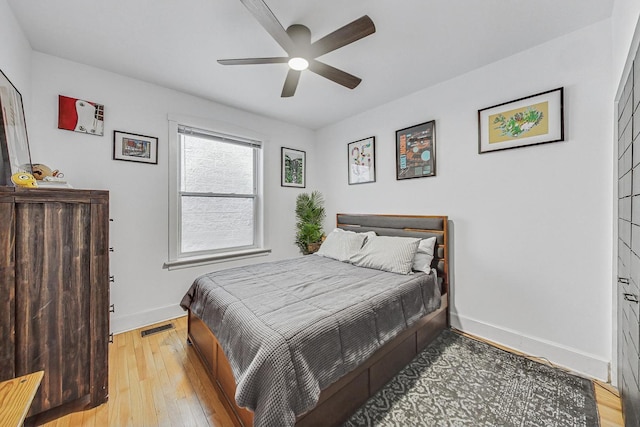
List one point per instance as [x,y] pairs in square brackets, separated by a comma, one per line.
[535,119]
[294,168]
[416,151]
[135,148]
[362,160]
[79,115]
[14,144]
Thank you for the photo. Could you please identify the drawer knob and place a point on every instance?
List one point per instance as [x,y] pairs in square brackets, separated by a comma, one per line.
[631,298]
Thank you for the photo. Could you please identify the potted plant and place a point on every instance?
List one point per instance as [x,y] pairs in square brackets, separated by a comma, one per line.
[309,217]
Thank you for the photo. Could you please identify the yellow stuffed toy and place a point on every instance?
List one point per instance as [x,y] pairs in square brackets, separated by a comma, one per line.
[24,179]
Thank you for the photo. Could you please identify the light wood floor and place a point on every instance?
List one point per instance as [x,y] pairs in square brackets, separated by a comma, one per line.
[159,381]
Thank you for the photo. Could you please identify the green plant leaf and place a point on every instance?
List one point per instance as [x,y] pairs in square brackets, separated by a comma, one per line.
[310,215]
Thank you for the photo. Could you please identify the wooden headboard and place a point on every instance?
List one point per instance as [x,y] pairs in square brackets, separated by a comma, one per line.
[406,226]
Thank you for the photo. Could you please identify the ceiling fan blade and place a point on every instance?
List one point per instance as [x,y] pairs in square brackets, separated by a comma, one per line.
[360,28]
[327,71]
[268,20]
[250,61]
[290,83]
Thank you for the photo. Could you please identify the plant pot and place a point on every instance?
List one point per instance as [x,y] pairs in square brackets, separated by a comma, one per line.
[313,247]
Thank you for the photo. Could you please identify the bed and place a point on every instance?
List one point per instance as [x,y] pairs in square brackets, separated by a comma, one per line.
[309,340]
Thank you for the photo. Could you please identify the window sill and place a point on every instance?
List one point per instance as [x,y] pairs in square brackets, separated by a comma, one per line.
[211,259]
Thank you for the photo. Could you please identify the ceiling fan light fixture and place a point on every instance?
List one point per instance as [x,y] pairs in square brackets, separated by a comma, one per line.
[299,64]
[302,54]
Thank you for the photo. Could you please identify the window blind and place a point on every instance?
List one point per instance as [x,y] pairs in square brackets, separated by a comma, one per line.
[215,136]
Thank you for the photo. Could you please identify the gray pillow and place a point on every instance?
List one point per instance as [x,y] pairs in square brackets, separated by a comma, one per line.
[424,255]
[387,253]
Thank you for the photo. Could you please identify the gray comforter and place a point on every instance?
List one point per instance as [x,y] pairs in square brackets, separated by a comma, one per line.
[291,328]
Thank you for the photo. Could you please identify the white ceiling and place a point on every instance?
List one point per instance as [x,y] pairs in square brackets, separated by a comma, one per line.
[417,43]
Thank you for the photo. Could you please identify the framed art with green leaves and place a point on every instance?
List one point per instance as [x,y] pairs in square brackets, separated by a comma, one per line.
[535,119]
[294,168]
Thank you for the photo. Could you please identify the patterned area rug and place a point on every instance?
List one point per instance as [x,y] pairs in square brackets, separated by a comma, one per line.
[458,381]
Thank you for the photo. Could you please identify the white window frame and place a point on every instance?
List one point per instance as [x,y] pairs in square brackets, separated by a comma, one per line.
[177,259]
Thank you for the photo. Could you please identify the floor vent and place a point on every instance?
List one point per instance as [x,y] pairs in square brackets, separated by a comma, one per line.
[156,329]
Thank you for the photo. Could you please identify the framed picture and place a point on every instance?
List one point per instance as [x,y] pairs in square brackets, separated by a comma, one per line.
[294,165]
[135,148]
[362,160]
[535,119]
[79,115]
[416,151]
[14,144]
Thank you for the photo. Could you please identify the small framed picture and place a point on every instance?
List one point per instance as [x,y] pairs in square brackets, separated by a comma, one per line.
[79,115]
[416,151]
[135,148]
[362,160]
[535,119]
[294,165]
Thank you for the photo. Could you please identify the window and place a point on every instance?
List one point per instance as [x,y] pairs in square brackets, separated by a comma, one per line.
[215,196]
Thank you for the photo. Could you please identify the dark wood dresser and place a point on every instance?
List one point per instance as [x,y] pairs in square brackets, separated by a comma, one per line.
[54,295]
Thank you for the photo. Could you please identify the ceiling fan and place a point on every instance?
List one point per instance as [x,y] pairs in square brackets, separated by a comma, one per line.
[302,54]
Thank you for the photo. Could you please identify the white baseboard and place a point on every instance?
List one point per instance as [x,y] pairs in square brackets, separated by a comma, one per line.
[570,358]
[144,318]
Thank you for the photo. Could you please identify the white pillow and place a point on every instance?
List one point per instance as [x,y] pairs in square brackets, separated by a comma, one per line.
[369,234]
[393,254]
[341,244]
[424,255]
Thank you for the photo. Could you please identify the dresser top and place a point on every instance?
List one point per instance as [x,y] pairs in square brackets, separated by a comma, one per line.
[9,194]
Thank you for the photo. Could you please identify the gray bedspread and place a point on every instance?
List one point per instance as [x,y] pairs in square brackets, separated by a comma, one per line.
[291,328]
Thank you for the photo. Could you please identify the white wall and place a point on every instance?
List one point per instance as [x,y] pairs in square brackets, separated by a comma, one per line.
[144,292]
[15,53]
[532,235]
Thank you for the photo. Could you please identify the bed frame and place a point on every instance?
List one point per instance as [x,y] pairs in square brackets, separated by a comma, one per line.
[341,399]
